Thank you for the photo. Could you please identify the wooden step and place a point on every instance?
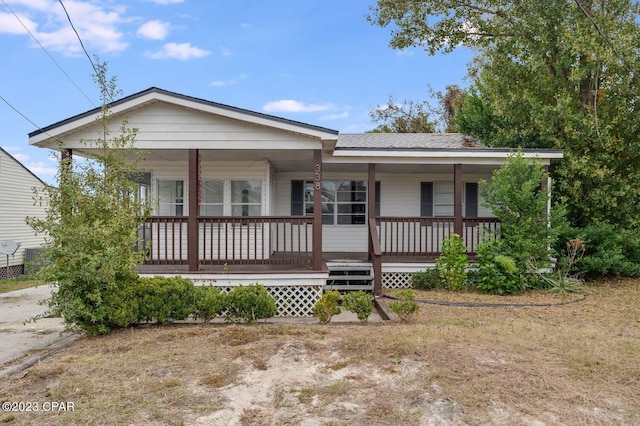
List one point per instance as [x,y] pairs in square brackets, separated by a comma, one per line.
[344,287]
[353,266]
[350,277]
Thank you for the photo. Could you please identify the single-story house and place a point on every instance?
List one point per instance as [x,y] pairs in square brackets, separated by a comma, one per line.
[16,204]
[246,197]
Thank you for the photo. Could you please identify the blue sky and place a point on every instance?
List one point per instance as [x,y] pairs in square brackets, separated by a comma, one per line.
[319,62]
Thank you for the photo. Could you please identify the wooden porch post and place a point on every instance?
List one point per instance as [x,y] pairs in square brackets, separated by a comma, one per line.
[457,198]
[544,186]
[192,223]
[317,209]
[371,196]
[374,249]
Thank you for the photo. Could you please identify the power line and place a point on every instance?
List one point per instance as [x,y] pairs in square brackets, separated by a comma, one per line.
[48,54]
[78,35]
[25,117]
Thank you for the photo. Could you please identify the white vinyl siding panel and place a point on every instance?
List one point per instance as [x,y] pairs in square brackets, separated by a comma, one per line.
[167,126]
[16,204]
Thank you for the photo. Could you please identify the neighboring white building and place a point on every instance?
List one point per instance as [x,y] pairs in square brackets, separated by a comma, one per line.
[16,204]
[249,197]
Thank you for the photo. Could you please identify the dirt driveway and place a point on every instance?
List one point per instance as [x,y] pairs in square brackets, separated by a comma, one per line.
[26,342]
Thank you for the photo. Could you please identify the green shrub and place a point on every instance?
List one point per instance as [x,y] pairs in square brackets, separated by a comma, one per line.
[609,250]
[249,304]
[122,303]
[360,303]
[452,263]
[165,299]
[426,280]
[327,306]
[406,305]
[496,272]
[513,195]
[209,303]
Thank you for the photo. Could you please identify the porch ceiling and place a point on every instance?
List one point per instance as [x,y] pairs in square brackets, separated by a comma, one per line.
[282,160]
[299,160]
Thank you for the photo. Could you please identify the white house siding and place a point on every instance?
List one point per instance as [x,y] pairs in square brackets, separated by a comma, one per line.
[165,126]
[16,203]
[399,196]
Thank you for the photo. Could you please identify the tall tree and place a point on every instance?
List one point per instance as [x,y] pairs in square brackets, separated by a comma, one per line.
[404,117]
[552,74]
[92,221]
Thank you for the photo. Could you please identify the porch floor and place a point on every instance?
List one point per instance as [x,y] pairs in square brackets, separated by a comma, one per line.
[278,268]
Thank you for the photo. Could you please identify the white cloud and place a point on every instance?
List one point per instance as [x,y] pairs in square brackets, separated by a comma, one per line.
[96,23]
[11,148]
[328,117]
[10,25]
[39,168]
[21,157]
[225,51]
[154,30]
[245,25]
[181,51]
[289,105]
[230,82]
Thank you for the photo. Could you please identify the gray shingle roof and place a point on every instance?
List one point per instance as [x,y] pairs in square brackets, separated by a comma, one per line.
[407,141]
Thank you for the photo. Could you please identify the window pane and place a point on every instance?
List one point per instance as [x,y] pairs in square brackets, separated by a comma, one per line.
[308,192]
[171,197]
[352,196]
[245,210]
[357,219]
[328,191]
[211,210]
[327,219]
[212,191]
[351,208]
[246,191]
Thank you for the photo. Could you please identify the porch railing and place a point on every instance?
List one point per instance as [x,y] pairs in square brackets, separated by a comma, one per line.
[423,236]
[256,240]
[230,240]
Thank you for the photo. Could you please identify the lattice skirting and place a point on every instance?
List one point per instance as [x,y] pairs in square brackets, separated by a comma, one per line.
[291,301]
[15,271]
[394,280]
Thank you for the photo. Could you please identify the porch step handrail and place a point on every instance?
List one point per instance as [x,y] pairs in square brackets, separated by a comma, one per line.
[375,256]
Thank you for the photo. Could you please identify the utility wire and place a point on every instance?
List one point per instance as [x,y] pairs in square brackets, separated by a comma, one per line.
[48,54]
[78,35]
[25,117]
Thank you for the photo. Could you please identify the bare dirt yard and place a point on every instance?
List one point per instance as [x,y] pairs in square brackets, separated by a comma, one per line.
[574,364]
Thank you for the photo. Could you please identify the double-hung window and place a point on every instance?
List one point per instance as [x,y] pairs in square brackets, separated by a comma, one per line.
[436,199]
[171,197]
[230,197]
[212,198]
[246,197]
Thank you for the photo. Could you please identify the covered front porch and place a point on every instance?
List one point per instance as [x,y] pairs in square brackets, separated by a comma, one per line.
[304,243]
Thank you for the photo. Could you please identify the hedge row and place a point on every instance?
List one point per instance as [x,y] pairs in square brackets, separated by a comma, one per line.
[166,299]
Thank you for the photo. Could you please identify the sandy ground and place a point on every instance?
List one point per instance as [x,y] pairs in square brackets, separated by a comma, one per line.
[20,339]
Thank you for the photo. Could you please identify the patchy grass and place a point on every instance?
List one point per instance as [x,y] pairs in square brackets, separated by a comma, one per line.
[572,365]
[18,284]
